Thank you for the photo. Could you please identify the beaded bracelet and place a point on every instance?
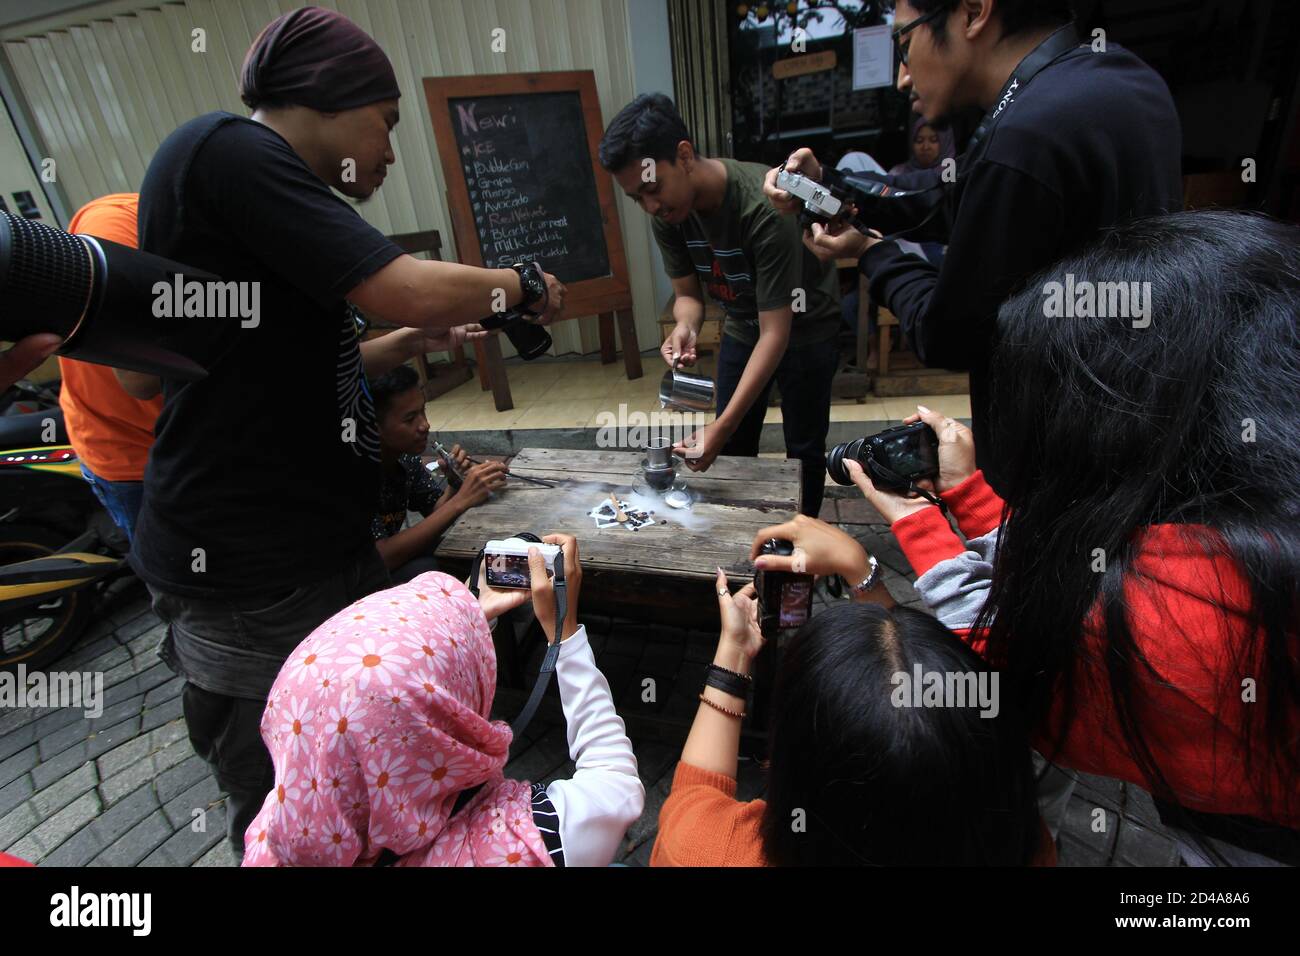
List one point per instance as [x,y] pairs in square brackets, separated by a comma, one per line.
[720,709]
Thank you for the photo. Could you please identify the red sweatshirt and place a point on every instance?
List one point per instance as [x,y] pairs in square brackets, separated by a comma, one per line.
[1187,612]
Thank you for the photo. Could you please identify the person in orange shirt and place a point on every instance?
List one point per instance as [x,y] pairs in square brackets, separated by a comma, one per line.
[867,763]
[110,431]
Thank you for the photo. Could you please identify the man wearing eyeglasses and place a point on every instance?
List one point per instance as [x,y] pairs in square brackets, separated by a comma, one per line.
[1075,138]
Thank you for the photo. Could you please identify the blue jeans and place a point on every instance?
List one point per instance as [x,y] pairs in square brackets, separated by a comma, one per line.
[805,376]
[120,498]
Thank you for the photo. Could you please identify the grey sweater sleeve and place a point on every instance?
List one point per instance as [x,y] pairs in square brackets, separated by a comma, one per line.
[956,589]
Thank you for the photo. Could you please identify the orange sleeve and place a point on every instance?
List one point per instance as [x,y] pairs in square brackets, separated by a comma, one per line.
[703,824]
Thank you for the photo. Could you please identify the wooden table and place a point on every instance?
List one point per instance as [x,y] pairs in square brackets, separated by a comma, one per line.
[663,573]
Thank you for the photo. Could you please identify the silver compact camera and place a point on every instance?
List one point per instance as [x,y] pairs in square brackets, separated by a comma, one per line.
[820,204]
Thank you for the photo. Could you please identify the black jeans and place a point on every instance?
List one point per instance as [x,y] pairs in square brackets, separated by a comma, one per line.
[230,649]
[805,375]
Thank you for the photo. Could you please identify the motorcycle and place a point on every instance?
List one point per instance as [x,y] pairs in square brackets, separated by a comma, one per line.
[60,551]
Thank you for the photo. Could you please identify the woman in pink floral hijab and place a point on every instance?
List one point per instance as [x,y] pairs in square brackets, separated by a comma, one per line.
[376,723]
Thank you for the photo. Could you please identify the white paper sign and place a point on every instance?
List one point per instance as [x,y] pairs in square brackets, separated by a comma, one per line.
[873,58]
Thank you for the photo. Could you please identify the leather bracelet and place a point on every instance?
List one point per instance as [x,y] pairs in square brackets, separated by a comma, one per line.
[729,682]
[720,709]
[744,677]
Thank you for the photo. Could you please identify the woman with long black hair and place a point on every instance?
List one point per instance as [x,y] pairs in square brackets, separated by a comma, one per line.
[1139,593]
[1153,492]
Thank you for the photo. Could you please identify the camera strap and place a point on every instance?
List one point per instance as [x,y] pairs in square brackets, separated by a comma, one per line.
[552,655]
[911,486]
[1038,59]
[911,202]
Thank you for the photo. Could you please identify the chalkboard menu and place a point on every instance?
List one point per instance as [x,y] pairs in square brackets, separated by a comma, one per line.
[530,182]
[518,151]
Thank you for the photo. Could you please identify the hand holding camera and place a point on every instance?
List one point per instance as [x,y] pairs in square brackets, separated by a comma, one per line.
[543,585]
[819,549]
[542,304]
[553,305]
[741,635]
[956,449]
[911,457]
[801,161]
[838,239]
[26,354]
[516,570]
[892,505]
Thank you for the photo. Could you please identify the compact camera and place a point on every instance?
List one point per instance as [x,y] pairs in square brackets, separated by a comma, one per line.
[894,459]
[784,598]
[820,203]
[506,561]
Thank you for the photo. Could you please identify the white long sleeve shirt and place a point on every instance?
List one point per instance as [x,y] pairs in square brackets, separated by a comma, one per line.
[605,794]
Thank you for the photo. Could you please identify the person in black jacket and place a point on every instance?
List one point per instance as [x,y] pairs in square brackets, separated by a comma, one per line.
[1088,141]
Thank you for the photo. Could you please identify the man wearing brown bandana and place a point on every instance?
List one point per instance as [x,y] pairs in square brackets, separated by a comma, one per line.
[260,489]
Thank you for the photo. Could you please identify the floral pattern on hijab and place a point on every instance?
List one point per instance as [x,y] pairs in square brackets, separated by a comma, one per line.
[375,724]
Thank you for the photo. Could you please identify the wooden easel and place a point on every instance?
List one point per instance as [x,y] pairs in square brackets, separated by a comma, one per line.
[608,297]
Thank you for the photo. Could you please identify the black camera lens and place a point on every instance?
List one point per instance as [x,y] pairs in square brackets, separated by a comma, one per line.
[835,460]
[529,340]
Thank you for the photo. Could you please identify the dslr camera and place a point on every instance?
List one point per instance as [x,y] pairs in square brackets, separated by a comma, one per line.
[784,598]
[530,340]
[894,459]
[506,561]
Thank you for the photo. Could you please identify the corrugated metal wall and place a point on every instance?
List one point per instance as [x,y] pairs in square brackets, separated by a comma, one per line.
[108,85]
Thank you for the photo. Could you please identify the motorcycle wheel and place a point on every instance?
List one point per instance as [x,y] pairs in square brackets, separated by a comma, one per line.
[37,634]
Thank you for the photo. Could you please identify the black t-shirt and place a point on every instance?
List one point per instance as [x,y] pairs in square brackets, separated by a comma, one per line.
[264,474]
[1092,141]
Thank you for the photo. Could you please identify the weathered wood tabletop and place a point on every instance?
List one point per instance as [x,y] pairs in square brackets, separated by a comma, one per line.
[734,500]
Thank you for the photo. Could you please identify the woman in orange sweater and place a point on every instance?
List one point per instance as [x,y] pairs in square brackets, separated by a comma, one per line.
[873,759]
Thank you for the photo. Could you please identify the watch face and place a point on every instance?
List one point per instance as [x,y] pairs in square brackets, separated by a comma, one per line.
[533,284]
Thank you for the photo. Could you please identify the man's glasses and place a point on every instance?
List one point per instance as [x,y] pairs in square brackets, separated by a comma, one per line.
[900,48]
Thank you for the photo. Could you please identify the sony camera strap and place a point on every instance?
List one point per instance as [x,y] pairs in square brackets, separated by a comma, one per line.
[1038,59]
[552,650]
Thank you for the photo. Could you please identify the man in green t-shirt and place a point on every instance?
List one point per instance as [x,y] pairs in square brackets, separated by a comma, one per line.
[718,233]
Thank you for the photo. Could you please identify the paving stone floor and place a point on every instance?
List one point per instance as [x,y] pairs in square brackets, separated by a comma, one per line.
[126,789]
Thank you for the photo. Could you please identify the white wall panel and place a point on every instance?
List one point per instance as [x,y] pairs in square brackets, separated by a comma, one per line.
[107,83]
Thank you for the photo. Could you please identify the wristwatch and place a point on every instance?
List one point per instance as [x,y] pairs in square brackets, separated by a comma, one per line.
[533,282]
[869,581]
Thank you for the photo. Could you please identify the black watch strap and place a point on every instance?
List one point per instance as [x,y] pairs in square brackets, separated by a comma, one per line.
[533,282]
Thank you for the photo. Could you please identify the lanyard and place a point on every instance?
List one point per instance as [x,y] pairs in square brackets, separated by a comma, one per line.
[1038,59]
